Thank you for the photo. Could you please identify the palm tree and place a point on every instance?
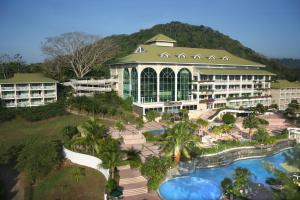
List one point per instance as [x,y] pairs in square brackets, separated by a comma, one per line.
[90,133]
[203,124]
[179,139]
[120,126]
[250,122]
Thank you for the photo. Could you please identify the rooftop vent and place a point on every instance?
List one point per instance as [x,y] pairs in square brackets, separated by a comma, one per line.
[182,55]
[197,56]
[225,58]
[139,50]
[164,55]
[212,57]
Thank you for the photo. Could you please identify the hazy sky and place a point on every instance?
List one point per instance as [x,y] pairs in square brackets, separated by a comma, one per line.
[270,27]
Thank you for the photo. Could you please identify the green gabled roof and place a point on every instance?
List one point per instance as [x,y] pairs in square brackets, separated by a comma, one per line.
[160,38]
[152,54]
[28,78]
[212,71]
[284,84]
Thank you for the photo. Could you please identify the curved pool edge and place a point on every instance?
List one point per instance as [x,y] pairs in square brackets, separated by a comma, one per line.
[216,166]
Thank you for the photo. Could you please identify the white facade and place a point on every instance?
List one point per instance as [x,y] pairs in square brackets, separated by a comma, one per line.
[284,96]
[89,87]
[27,94]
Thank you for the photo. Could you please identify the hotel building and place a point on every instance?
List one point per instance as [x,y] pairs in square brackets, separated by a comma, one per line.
[159,76]
[283,92]
[27,89]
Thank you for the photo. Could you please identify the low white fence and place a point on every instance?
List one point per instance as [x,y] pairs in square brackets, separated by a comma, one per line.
[85,160]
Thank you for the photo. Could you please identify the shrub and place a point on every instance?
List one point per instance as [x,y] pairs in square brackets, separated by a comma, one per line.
[152,115]
[111,185]
[38,157]
[42,112]
[228,118]
[7,114]
[151,138]
[68,133]
[155,168]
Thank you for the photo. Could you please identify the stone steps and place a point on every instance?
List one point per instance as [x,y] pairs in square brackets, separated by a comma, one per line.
[134,185]
[136,191]
[126,181]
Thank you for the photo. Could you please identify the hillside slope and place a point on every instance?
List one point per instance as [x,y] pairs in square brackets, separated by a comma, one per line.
[188,35]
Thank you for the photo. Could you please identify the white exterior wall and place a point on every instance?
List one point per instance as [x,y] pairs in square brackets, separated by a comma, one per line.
[32,94]
[283,96]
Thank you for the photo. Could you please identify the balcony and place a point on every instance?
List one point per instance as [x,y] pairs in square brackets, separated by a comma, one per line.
[249,97]
[50,95]
[8,96]
[23,104]
[36,87]
[49,87]
[22,96]
[7,88]
[22,88]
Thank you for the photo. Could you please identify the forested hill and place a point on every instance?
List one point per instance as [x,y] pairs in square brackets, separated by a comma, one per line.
[289,62]
[188,35]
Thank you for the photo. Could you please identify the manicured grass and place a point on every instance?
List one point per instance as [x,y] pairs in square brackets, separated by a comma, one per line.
[15,132]
[61,184]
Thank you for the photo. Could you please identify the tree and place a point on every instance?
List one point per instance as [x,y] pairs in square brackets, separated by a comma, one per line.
[260,108]
[262,136]
[179,140]
[110,154]
[228,118]
[10,65]
[79,52]
[155,168]
[203,124]
[293,157]
[38,157]
[184,114]
[250,122]
[151,115]
[239,184]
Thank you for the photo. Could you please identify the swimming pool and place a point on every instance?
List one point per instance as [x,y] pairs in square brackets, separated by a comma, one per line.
[157,131]
[205,184]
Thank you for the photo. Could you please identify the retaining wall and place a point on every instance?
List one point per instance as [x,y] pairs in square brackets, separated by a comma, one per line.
[85,160]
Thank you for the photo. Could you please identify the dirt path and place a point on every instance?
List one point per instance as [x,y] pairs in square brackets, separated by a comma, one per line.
[13,183]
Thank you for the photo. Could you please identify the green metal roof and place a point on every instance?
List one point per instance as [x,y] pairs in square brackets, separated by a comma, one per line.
[152,54]
[213,71]
[28,78]
[160,38]
[284,84]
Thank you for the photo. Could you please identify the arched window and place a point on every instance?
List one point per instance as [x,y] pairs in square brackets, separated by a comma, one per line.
[140,50]
[167,85]
[126,83]
[184,86]
[212,57]
[134,85]
[197,56]
[148,85]
[182,55]
[225,58]
[164,55]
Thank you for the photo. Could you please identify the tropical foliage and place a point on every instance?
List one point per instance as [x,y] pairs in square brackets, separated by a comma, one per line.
[263,137]
[179,140]
[108,103]
[38,157]
[240,183]
[228,118]
[155,169]
[251,122]
[152,115]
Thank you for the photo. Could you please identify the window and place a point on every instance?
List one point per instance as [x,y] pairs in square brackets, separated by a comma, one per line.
[181,55]
[148,85]
[126,83]
[225,58]
[197,56]
[190,107]
[212,57]
[140,50]
[164,55]
[184,86]
[134,84]
[167,85]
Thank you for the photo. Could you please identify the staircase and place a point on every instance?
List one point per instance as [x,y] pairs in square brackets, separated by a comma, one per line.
[130,139]
[132,182]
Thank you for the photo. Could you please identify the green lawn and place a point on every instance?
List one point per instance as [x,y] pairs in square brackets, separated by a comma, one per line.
[15,132]
[61,184]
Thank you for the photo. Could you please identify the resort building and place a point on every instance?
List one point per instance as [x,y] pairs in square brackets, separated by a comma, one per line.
[27,89]
[89,87]
[159,76]
[283,92]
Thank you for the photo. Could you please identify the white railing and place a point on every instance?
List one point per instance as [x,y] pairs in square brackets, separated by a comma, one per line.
[85,160]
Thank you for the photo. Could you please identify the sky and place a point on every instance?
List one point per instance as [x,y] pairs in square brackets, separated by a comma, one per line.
[270,27]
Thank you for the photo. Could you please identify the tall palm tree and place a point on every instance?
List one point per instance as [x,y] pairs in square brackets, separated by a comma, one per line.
[251,122]
[179,139]
[110,160]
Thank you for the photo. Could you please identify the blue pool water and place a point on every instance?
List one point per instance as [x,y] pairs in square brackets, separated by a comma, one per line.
[157,131]
[205,184]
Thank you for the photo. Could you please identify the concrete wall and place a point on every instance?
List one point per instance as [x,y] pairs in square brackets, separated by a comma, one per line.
[85,160]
